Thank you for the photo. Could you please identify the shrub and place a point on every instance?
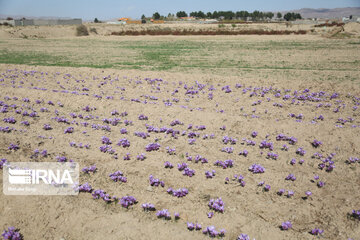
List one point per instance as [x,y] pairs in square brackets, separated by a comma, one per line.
[221,25]
[233,25]
[93,30]
[81,30]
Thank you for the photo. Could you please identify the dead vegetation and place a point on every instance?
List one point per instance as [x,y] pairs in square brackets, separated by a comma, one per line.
[185,32]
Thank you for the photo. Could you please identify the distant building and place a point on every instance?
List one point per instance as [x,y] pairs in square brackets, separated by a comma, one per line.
[42,22]
[351,18]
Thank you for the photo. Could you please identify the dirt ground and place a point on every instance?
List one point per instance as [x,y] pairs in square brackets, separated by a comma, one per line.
[260,100]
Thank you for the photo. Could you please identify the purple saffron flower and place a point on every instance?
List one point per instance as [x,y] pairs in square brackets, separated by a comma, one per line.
[168,165]
[217,205]
[69,130]
[316,143]
[118,176]
[90,169]
[148,207]
[256,168]
[243,236]
[286,225]
[12,234]
[14,147]
[164,214]
[316,231]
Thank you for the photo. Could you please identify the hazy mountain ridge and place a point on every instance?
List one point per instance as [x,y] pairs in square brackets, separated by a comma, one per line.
[326,12]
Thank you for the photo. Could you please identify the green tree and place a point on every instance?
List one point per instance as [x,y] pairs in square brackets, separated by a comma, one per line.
[288,17]
[96,20]
[156,16]
[279,15]
[143,16]
[269,15]
[181,14]
[209,15]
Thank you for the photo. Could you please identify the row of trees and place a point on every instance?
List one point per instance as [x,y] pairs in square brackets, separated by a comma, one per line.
[229,15]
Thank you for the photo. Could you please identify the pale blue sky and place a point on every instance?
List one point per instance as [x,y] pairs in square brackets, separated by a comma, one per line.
[107,9]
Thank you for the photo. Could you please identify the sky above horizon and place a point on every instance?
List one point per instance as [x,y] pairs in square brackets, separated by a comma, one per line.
[109,9]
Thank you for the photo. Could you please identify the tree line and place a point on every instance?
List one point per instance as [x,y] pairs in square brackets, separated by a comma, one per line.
[229,15]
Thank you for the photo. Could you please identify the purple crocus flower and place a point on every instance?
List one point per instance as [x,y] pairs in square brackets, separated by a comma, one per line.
[286,225]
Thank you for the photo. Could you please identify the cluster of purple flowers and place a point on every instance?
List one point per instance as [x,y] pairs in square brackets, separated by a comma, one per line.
[272,155]
[123,131]
[152,147]
[90,169]
[127,156]
[79,145]
[217,205]
[170,151]
[141,157]
[300,151]
[88,108]
[167,164]
[256,168]
[243,236]
[143,117]
[113,122]
[210,174]
[99,193]
[355,214]
[197,158]
[3,162]
[10,120]
[230,140]
[69,130]
[228,149]
[12,234]
[105,140]
[265,144]
[194,226]
[286,225]
[353,160]
[224,164]
[155,181]
[316,143]
[244,153]
[291,177]
[118,176]
[163,214]
[188,172]
[176,122]
[124,143]
[127,201]
[182,166]
[148,207]
[283,137]
[317,231]
[107,149]
[142,134]
[181,192]
[86,187]
[240,179]
[6,129]
[213,233]
[299,116]
[14,147]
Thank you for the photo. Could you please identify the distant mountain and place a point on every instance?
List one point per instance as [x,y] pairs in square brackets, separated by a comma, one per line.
[326,13]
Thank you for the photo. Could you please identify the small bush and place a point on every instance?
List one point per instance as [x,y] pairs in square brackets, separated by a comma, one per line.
[81,30]
[233,25]
[93,30]
[221,25]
